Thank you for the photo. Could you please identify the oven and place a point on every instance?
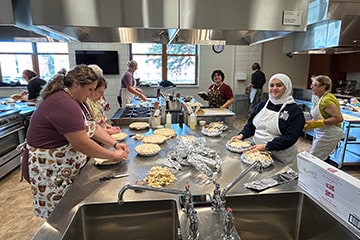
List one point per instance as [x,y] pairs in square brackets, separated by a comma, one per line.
[12,133]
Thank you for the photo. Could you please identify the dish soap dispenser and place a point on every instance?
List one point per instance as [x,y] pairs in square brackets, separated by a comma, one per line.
[168,120]
[192,121]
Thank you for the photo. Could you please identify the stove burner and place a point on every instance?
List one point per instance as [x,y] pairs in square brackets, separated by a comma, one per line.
[137,112]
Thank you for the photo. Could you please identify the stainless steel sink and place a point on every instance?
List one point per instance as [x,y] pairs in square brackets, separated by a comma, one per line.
[284,216]
[150,220]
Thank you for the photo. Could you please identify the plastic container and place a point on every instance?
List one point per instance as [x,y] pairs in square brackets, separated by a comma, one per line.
[168,120]
[192,121]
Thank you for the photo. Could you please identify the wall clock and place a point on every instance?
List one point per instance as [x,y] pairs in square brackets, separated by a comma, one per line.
[218,48]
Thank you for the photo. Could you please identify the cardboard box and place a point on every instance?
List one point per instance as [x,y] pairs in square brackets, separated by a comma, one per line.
[336,190]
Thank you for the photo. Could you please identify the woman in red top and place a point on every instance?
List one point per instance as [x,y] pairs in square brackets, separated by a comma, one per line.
[219,95]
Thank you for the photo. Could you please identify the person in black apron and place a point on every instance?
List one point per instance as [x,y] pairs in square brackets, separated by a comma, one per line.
[277,123]
[219,95]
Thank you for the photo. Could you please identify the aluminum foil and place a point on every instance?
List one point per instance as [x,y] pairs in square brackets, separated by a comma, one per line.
[280,178]
[193,151]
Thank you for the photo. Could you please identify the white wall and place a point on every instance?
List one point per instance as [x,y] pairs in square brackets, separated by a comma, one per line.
[275,61]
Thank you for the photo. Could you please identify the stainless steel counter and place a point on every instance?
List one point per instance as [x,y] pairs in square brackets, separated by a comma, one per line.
[88,189]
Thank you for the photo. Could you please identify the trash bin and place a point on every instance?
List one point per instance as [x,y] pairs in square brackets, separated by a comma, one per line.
[241,105]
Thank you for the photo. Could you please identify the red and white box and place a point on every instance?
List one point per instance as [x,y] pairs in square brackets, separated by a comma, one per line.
[333,188]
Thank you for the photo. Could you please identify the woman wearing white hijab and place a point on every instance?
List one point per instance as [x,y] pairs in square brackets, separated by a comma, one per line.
[277,123]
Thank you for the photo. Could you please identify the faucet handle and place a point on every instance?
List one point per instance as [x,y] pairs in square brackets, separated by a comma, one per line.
[228,227]
[188,201]
[217,202]
[193,226]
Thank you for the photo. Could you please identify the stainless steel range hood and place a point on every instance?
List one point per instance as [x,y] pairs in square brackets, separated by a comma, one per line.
[8,28]
[333,28]
[15,24]
[232,22]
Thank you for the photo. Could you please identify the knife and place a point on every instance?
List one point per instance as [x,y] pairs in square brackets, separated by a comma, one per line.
[113,177]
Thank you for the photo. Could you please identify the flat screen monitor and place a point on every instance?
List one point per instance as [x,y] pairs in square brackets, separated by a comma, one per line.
[107,60]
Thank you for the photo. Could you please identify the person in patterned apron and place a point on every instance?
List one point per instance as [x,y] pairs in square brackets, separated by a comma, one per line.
[59,138]
[97,109]
[219,95]
[326,120]
[277,123]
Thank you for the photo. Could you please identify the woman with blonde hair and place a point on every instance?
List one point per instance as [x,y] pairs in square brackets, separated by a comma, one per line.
[326,120]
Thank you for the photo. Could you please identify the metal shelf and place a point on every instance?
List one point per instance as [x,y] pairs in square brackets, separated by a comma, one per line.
[343,155]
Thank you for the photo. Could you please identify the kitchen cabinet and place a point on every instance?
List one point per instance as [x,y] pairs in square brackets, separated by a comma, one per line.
[326,65]
[348,62]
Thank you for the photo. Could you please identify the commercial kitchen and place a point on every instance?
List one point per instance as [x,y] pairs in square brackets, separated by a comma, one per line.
[210,199]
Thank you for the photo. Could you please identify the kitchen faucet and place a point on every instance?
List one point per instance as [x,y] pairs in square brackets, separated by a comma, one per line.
[188,204]
[219,202]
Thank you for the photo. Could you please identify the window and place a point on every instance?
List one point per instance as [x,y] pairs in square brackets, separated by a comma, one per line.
[177,63]
[46,58]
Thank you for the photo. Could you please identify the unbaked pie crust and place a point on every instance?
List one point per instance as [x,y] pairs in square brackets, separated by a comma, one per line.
[154,138]
[139,125]
[119,136]
[147,149]
[167,132]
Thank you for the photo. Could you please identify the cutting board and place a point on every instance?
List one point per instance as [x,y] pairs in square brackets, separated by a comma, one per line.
[210,112]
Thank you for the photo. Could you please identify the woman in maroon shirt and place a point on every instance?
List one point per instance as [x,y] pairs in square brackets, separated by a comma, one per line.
[60,138]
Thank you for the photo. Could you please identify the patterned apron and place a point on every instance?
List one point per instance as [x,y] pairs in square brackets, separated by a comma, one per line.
[52,171]
[267,128]
[214,97]
[326,138]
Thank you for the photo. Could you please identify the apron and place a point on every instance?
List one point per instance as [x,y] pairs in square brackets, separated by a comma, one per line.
[214,97]
[266,123]
[52,172]
[326,138]
[252,95]
[126,95]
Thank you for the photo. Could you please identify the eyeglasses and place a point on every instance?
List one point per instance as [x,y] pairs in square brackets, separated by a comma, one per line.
[315,85]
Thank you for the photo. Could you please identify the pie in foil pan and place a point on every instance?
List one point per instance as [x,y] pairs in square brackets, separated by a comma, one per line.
[210,131]
[219,125]
[238,146]
[263,157]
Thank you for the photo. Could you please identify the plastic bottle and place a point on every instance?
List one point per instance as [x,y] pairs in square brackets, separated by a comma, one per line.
[192,121]
[168,120]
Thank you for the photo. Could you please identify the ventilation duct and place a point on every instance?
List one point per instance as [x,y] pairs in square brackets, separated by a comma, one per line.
[232,22]
[333,29]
